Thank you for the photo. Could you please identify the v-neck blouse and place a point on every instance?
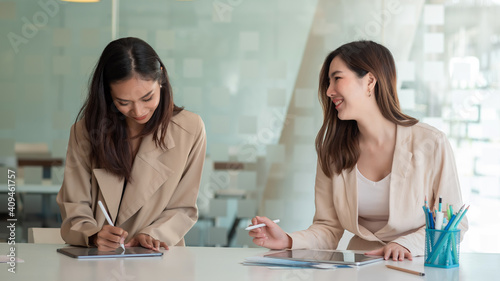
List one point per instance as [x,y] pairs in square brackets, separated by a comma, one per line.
[373,202]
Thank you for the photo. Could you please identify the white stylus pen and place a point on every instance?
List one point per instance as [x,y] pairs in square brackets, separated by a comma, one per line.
[260,225]
[108,218]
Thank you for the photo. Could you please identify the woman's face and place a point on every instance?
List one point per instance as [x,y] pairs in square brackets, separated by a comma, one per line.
[347,91]
[136,98]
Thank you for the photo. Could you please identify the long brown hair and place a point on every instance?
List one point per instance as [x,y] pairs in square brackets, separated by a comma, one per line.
[106,126]
[337,140]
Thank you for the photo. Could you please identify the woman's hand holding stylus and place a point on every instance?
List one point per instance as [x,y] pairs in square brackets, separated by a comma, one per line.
[110,238]
[270,236]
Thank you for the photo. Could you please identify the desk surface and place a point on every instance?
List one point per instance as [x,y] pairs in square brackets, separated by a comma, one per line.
[42,262]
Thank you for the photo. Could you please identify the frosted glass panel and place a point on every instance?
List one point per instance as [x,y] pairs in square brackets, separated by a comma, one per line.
[193,68]
[61,65]
[7,10]
[62,37]
[303,98]
[165,39]
[434,42]
[434,14]
[249,41]
[276,97]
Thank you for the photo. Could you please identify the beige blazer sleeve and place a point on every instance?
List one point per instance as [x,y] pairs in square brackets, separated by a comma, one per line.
[75,195]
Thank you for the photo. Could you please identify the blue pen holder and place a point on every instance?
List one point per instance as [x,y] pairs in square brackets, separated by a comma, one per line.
[442,248]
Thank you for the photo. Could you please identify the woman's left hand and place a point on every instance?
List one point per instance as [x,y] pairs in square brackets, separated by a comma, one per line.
[147,242]
[394,250]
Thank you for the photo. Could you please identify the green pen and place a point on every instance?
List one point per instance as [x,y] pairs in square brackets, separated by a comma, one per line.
[449,212]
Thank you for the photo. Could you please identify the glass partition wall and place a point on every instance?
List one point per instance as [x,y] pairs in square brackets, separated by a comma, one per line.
[250,70]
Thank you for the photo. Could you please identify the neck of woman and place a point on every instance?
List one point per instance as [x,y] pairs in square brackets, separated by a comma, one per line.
[133,129]
[376,130]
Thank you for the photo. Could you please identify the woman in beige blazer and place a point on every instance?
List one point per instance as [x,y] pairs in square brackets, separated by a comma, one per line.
[376,165]
[133,149]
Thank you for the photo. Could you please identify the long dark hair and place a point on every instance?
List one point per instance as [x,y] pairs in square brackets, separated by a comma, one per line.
[107,128]
[337,140]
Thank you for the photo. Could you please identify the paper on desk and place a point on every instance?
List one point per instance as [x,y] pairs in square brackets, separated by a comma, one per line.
[6,259]
[270,262]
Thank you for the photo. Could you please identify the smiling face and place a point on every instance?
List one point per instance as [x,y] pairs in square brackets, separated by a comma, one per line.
[347,91]
[137,99]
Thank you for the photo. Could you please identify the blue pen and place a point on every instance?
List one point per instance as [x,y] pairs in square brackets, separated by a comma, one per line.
[450,222]
[431,219]
[426,217]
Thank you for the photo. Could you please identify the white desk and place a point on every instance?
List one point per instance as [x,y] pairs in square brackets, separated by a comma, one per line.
[42,262]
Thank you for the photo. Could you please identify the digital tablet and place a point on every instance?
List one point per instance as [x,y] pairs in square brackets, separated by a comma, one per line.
[323,256]
[93,253]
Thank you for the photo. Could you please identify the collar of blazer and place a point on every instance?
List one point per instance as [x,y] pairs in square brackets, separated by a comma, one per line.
[400,164]
[148,174]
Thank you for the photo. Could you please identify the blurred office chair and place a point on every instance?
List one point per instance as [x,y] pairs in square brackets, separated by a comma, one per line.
[45,235]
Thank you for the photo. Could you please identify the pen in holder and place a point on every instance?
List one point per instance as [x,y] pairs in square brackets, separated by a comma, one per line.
[442,248]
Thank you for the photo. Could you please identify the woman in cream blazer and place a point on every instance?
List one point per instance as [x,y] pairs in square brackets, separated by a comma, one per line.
[423,166]
[365,135]
[120,153]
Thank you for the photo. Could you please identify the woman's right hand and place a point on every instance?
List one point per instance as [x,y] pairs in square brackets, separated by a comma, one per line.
[270,236]
[110,238]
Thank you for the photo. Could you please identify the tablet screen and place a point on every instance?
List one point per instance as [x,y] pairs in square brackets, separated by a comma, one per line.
[92,253]
[340,257]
